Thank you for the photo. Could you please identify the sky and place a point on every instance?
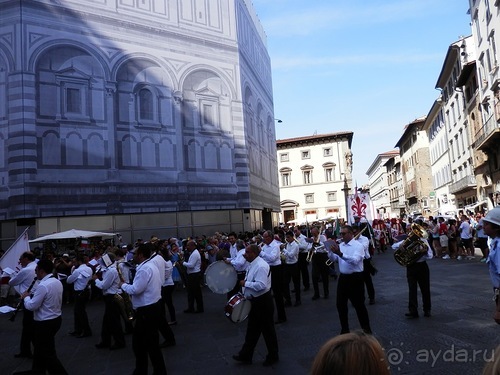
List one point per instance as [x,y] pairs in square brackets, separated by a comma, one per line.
[367,66]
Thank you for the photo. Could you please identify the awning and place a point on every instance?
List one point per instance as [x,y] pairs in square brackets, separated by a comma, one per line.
[73,233]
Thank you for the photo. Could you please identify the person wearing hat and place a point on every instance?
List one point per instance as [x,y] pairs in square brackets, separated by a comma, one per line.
[491,226]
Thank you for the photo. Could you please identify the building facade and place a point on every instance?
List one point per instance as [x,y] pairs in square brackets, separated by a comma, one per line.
[416,169]
[135,117]
[380,193]
[463,181]
[485,23]
[315,174]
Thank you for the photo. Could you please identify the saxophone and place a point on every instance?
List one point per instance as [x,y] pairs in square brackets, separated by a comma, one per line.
[123,300]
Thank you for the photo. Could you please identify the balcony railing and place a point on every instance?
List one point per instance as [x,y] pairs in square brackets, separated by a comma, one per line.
[482,134]
[468,182]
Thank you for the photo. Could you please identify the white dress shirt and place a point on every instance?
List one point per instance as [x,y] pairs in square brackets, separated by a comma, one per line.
[291,252]
[46,302]
[168,273]
[271,253]
[146,288]
[110,283]
[366,245]
[352,257]
[159,262]
[80,277]
[258,279]
[193,265]
[233,251]
[239,263]
[303,245]
[23,279]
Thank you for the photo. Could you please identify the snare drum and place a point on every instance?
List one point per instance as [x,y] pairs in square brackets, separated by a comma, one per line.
[237,308]
[220,277]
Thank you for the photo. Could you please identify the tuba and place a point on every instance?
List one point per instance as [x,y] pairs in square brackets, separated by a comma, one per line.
[413,248]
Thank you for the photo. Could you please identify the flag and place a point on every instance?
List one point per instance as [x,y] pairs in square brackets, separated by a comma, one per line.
[11,257]
[359,204]
[336,230]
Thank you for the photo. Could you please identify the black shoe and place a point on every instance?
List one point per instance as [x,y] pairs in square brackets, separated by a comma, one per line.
[199,311]
[239,358]
[270,361]
[411,315]
[102,345]
[81,336]
[288,304]
[23,355]
[279,321]
[74,333]
[116,347]
[189,311]
[172,323]
[427,314]
[306,288]
[372,301]
[315,297]
[166,344]
[297,303]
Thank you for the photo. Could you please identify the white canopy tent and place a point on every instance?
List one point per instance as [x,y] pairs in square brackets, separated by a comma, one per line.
[73,233]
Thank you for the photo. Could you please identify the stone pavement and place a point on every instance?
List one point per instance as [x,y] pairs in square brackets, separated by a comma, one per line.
[458,337]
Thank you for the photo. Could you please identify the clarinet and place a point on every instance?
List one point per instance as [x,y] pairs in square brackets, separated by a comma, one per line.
[20,304]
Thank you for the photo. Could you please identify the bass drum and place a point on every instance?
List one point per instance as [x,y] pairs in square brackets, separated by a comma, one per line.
[237,308]
[220,277]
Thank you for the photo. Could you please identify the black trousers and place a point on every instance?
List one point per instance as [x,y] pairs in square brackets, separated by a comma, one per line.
[28,332]
[166,296]
[418,275]
[260,321]
[320,270]
[163,326]
[80,312]
[111,322]
[351,287]
[292,273]
[145,340]
[45,357]
[237,287]
[194,291]
[277,288]
[304,269]
[367,276]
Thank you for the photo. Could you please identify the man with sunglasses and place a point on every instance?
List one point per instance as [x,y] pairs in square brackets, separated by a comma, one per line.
[349,254]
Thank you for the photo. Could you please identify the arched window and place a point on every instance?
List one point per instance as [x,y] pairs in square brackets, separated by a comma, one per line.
[146,107]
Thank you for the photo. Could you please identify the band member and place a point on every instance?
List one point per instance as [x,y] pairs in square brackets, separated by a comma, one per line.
[303,263]
[320,271]
[108,281]
[491,226]
[194,278]
[367,265]
[271,254]
[240,265]
[81,275]
[168,288]
[146,294]
[256,286]
[21,282]
[349,254]
[161,264]
[290,250]
[417,275]
[46,304]
[233,249]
